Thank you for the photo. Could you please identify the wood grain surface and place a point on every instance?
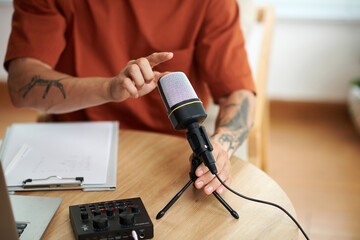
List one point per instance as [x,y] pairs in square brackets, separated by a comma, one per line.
[155,167]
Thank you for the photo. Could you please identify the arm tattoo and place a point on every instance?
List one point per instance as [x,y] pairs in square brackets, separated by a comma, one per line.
[243,136]
[239,121]
[227,139]
[36,80]
[239,124]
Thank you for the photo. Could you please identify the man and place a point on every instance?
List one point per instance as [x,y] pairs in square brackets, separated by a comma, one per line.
[101,60]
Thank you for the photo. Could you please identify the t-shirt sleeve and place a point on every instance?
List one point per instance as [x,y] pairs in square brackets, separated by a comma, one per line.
[38,31]
[220,50]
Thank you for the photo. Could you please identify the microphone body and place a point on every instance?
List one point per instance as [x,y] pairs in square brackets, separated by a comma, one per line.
[181,102]
[186,112]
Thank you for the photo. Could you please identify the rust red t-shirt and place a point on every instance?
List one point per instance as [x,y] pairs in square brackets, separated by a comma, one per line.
[92,38]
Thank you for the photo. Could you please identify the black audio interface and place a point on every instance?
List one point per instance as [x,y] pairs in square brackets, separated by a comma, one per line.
[117,219]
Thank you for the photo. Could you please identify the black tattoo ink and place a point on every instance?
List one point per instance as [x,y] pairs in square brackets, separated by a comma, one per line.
[242,137]
[227,139]
[36,80]
[240,119]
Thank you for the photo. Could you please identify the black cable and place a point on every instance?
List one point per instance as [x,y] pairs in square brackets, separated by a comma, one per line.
[264,202]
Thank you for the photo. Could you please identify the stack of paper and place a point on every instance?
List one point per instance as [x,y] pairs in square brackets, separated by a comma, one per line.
[54,154]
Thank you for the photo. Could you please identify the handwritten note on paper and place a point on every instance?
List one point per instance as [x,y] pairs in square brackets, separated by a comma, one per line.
[67,150]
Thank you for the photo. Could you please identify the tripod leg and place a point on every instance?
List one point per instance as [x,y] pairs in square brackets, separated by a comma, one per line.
[173,200]
[195,162]
[227,206]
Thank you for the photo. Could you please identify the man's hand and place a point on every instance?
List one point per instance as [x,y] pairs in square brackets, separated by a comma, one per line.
[233,125]
[207,179]
[138,77]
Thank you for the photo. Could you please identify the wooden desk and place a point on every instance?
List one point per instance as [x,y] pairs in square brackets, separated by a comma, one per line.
[155,167]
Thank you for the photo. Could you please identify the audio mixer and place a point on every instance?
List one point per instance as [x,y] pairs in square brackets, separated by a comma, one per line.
[116,219]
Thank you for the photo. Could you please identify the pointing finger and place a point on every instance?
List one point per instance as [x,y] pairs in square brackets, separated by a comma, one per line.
[157,58]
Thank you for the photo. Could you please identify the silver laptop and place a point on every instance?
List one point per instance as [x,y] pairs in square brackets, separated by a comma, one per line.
[24,217]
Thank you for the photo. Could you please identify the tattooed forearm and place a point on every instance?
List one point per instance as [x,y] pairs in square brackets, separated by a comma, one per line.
[234,122]
[37,81]
[240,120]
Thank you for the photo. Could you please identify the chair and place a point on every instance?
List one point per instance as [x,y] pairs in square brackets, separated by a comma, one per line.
[258,138]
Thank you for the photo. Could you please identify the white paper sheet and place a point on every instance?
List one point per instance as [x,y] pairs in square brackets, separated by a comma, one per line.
[67,150]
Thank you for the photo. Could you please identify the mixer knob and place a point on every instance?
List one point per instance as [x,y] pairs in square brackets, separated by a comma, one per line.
[100,222]
[127,218]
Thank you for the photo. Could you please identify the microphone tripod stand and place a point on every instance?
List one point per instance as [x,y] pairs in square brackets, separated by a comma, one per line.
[195,162]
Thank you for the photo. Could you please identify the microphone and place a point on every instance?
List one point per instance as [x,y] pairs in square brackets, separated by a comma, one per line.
[186,111]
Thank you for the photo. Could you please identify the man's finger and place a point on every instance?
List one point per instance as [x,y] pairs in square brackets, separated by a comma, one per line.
[157,58]
[158,75]
[145,69]
[136,75]
[222,189]
[129,86]
[201,170]
[224,174]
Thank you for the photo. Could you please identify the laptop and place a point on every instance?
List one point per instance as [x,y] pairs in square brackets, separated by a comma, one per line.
[24,217]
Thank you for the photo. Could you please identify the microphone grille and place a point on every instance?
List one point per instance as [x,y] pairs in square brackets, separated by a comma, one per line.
[176,88]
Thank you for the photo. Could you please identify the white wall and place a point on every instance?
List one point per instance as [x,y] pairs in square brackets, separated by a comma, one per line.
[318,9]
[314,59]
[316,49]
[6,11]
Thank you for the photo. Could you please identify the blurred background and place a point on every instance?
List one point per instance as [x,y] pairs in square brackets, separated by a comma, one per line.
[311,91]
